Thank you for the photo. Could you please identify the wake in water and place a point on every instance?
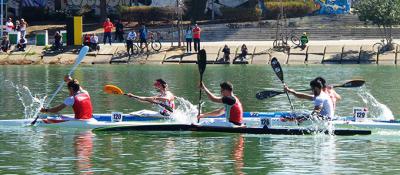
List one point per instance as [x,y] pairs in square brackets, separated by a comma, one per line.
[185,112]
[31,103]
[375,108]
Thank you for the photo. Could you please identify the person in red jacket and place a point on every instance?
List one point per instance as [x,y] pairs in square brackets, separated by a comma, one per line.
[108,26]
[196,37]
[232,109]
[79,100]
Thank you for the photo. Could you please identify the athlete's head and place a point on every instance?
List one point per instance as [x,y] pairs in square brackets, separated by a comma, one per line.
[73,86]
[316,86]
[322,80]
[160,84]
[226,88]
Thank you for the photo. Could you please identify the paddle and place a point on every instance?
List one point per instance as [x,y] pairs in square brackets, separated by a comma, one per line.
[82,53]
[278,71]
[111,89]
[348,84]
[201,63]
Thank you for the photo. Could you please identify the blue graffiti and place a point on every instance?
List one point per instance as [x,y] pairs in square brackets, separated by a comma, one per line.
[329,7]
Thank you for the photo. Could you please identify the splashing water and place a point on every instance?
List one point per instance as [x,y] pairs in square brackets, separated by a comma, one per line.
[375,108]
[32,103]
[185,112]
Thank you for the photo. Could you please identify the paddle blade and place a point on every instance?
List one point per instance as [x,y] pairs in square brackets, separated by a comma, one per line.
[267,94]
[111,89]
[202,61]
[277,68]
[352,84]
[82,53]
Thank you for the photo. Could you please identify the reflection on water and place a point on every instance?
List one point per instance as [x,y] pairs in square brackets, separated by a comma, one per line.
[83,144]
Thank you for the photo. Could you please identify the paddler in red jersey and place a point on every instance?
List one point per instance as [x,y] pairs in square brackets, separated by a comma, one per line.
[232,109]
[79,100]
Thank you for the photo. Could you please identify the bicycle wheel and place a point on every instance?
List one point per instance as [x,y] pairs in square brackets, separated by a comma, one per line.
[295,40]
[135,50]
[377,47]
[156,45]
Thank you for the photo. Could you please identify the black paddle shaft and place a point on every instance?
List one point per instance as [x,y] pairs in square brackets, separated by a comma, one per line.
[201,63]
[278,71]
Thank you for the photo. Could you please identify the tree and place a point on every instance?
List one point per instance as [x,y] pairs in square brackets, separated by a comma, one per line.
[103,9]
[384,13]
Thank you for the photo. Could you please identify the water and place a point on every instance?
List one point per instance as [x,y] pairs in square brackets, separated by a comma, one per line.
[28,150]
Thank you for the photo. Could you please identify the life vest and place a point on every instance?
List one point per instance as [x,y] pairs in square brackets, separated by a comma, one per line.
[234,113]
[82,106]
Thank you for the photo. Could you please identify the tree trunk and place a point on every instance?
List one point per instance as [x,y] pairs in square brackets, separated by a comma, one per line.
[103,9]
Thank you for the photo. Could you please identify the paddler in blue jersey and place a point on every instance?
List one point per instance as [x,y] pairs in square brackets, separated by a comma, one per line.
[323,105]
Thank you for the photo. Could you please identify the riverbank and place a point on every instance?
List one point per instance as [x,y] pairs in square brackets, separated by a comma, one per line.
[260,52]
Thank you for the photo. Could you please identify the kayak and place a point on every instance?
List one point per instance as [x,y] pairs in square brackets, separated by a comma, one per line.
[225,129]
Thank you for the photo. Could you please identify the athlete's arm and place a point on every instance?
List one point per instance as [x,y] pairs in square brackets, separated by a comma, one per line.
[215,113]
[54,109]
[299,94]
[210,95]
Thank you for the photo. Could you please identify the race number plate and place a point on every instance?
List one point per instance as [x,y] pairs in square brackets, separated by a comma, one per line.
[116,117]
[359,114]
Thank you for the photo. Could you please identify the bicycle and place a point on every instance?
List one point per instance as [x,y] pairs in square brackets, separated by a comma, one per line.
[282,41]
[154,43]
[384,46]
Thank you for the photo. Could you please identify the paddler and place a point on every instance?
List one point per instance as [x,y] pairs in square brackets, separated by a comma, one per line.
[330,91]
[232,109]
[78,99]
[323,105]
[165,96]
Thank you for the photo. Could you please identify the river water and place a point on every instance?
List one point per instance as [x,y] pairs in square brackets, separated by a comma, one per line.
[33,150]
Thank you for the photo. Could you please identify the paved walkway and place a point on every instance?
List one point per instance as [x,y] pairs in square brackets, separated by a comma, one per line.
[260,52]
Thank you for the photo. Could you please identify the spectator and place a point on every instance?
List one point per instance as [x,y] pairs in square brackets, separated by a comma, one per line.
[119,31]
[196,38]
[17,26]
[5,44]
[303,41]
[21,44]
[226,52]
[57,41]
[143,37]
[108,26]
[9,26]
[23,27]
[94,42]
[242,56]
[129,42]
[86,40]
[189,38]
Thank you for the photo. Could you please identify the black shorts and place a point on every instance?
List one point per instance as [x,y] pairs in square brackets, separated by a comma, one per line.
[143,40]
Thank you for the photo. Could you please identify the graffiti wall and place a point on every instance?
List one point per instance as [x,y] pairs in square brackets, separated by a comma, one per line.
[327,7]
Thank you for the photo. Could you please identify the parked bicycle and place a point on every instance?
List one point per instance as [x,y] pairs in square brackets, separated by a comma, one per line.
[153,41]
[282,40]
[384,46]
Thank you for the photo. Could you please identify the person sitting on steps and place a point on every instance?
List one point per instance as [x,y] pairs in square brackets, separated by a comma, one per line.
[303,41]
[94,42]
[21,44]
[242,56]
[86,40]
[5,44]
[226,52]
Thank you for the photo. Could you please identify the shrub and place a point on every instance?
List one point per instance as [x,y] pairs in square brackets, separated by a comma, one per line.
[292,8]
[35,13]
[144,14]
[240,14]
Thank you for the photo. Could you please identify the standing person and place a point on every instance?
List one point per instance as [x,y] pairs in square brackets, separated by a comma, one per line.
[9,26]
[17,26]
[165,96]
[108,26]
[129,42]
[119,31]
[322,102]
[189,38]
[196,37]
[23,27]
[232,109]
[143,37]
[57,41]
[78,99]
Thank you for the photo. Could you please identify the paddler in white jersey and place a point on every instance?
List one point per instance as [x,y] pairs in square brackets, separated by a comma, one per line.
[322,102]
[166,97]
